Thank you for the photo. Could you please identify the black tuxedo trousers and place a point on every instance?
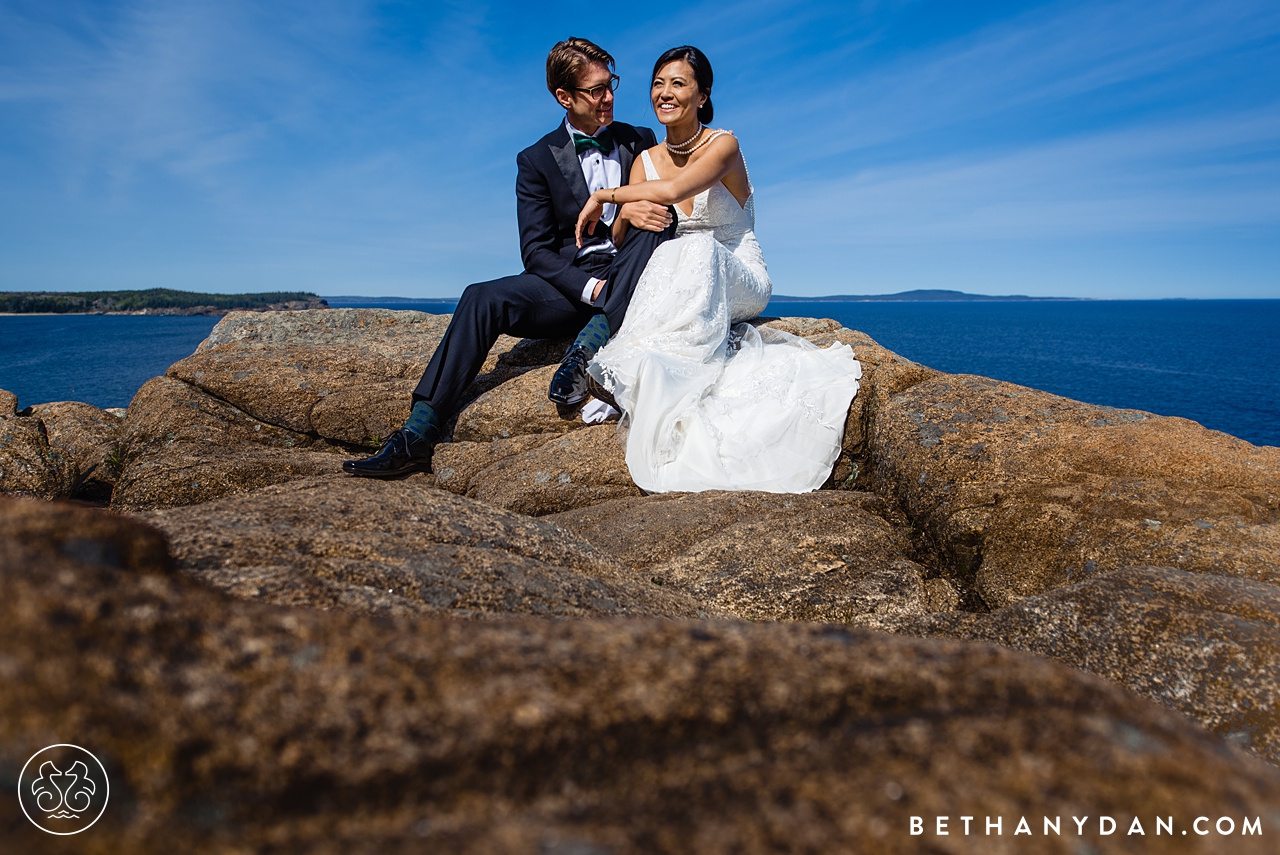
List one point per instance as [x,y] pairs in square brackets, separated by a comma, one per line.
[527,306]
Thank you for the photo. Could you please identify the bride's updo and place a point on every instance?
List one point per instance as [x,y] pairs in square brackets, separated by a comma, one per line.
[701,73]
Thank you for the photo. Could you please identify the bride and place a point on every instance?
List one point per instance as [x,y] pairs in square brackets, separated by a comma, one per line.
[711,402]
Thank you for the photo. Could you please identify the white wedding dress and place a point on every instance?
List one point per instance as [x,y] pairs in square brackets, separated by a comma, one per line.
[711,402]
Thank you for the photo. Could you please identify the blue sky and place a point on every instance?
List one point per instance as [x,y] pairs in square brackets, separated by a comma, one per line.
[1117,149]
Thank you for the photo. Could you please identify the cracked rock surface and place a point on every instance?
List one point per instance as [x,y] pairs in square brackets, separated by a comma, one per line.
[1022,491]
[398,548]
[1203,644]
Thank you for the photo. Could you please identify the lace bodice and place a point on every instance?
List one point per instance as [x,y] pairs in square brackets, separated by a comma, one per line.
[717,215]
[716,210]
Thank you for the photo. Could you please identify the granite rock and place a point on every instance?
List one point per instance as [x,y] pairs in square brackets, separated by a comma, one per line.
[1021,491]
[281,368]
[28,465]
[89,438]
[836,557]
[182,446]
[240,726]
[398,547]
[190,475]
[277,367]
[518,407]
[281,385]
[56,531]
[58,450]
[364,413]
[1207,646]
[539,474]
[166,413]
[457,465]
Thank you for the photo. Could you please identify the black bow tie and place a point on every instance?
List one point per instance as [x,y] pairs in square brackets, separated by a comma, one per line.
[602,143]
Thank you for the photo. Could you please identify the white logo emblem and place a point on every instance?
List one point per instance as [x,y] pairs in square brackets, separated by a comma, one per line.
[63,789]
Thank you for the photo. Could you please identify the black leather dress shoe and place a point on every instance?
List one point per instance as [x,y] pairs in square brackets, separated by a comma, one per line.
[402,453]
[569,384]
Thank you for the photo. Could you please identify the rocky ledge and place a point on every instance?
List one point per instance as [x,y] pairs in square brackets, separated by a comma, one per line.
[1002,603]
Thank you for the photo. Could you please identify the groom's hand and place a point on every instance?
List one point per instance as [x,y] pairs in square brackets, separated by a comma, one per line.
[588,218]
[649,216]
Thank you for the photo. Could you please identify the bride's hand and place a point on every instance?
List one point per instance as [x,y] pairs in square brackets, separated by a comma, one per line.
[589,217]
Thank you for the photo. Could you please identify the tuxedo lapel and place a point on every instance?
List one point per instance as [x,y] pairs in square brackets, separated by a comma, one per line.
[567,159]
[626,156]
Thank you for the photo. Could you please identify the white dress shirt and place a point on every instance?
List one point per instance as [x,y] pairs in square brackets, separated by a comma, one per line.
[601,172]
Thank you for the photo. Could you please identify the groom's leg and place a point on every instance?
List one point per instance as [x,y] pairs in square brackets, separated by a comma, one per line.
[525,306]
[625,271]
[569,385]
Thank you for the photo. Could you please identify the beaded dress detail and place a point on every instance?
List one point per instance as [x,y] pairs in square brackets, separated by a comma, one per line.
[709,401]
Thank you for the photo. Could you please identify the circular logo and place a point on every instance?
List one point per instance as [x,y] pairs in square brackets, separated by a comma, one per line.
[63,789]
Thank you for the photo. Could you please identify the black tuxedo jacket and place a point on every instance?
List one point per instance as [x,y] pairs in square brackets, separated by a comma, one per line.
[550,193]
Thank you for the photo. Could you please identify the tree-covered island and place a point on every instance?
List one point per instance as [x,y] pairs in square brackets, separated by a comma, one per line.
[153,301]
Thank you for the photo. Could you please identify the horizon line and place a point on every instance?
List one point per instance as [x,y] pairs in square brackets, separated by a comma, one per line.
[856,298]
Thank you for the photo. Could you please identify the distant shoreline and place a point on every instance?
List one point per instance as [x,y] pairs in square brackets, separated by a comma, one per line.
[161,313]
[164,302]
[153,314]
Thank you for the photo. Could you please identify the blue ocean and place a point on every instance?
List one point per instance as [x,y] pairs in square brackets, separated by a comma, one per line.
[1212,361]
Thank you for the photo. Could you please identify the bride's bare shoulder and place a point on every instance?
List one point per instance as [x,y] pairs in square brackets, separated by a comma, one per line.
[660,159]
[725,141]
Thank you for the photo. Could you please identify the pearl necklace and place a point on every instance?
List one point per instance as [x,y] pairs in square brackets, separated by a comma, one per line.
[680,148]
[708,138]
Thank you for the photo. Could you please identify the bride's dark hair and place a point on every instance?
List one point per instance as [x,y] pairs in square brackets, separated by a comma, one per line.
[701,73]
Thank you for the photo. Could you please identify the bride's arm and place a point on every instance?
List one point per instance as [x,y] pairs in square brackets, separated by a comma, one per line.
[722,155]
[620,224]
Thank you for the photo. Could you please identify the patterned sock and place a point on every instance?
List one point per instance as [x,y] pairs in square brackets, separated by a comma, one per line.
[593,335]
[423,421]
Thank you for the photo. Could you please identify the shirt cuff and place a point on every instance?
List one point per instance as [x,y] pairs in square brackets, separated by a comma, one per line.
[587,291]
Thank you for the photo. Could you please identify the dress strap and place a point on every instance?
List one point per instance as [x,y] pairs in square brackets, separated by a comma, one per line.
[716,133]
[650,172]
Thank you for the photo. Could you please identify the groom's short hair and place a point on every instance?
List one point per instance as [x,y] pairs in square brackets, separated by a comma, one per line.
[568,58]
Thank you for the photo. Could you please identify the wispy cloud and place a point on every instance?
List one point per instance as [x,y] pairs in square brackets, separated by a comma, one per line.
[370,146]
[1203,174]
[1084,62]
[1066,131]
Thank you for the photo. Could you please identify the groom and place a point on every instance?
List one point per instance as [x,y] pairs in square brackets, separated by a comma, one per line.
[564,289]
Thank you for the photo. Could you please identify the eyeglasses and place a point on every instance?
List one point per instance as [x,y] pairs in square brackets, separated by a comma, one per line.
[595,93]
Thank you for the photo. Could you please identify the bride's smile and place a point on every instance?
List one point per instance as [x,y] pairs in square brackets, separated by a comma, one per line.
[676,100]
